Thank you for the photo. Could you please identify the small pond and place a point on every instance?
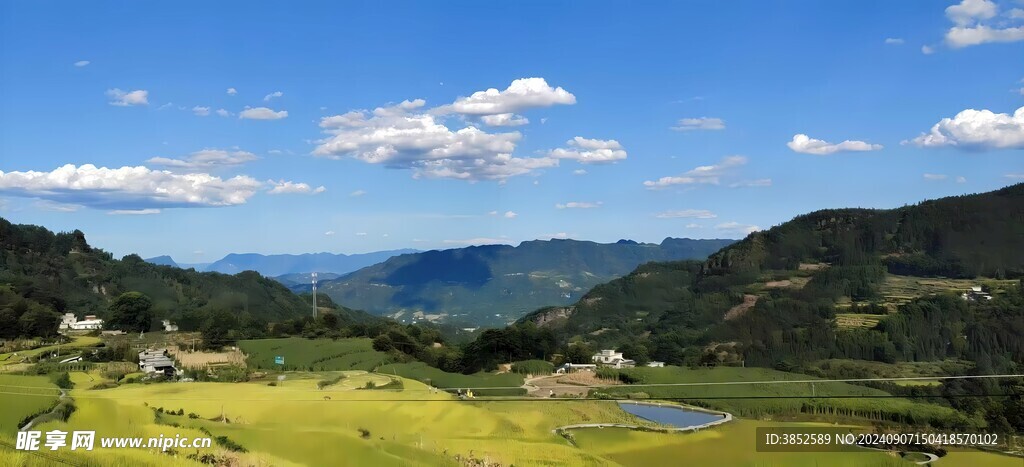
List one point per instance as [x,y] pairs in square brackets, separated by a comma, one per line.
[673,415]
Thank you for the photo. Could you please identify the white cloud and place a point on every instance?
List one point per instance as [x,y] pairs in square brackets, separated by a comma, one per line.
[280,187]
[262,113]
[128,188]
[272,95]
[357,193]
[590,151]
[82,63]
[1019,176]
[694,226]
[232,91]
[927,49]
[976,129]
[975,23]
[760,182]
[201,111]
[961,179]
[804,144]
[206,159]
[687,213]
[559,235]
[398,138]
[510,215]
[508,119]
[969,11]
[361,234]
[125,98]
[133,212]
[737,227]
[578,205]
[522,94]
[703,175]
[223,113]
[579,172]
[47,205]
[935,177]
[329,233]
[894,40]
[701,123]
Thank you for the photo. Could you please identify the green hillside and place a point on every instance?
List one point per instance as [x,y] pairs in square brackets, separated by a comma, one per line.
[495,284]
[43,274]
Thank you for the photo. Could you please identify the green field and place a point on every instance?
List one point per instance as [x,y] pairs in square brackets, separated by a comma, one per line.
[22,396]
[77,343]
[312,354]
[424,373]
[762,397]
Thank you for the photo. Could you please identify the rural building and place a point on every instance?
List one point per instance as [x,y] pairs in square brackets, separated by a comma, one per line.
[70,322]
[976,294]
[169,326]
[613,359]
[574,367]
[156,361]
[656,364]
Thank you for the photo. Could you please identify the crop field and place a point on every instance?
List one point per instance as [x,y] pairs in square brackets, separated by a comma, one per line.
[787,399]
[424,373]
[901,289]
[313,355]
[857,320]
[23,396]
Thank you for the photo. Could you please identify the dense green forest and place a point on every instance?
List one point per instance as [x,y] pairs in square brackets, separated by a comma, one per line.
[43,274]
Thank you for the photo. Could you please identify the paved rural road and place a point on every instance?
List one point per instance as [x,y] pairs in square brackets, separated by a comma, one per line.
[63,395]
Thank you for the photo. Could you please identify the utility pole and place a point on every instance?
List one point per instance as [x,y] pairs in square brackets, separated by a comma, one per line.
[314,295]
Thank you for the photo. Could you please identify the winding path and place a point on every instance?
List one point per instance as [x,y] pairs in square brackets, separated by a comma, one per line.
[63,395]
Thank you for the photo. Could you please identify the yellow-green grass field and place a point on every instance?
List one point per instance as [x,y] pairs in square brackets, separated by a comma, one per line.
[312,354]
[295,423]
[23,396]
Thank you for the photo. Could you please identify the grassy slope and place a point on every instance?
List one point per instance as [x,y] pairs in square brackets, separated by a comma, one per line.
[313,355]
[21,396]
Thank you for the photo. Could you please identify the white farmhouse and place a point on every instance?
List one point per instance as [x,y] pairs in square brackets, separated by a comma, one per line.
[613,359]
[70,322]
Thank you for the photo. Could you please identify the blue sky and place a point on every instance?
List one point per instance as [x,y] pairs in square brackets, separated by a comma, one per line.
[645,119]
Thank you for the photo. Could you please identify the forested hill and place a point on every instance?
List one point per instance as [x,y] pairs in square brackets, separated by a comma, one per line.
[43,274]
[778,296]
[492,284]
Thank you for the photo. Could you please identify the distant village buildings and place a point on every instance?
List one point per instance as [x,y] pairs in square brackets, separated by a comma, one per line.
[976,294]
[169,326]
[574,367]
[156,362]
[613,359]
[69,322]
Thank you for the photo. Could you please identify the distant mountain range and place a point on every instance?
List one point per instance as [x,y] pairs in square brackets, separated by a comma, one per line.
[495,284]
[279,265]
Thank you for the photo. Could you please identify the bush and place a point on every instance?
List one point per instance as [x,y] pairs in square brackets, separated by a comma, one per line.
[329,381]
[63,381]
[533,367]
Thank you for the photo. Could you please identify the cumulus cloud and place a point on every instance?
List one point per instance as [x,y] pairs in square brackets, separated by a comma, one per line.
[590,151]
[329,233]
[737,227]
[82,63]
[280,187]
[205,159]
[578,205]
[927,49]
[935,177]
[522,94]
[703,175]
[357,193]
[223,113]
[126,98]
[508,119]
[232,91]
[397,137]
[976,130]
[894,40]
[262,113]
[961,179]
[976,22]
[805,144]
[510,215]
[272,95]
[579,172]
[687,213]
[201,111]
[701,123]
[133,212]
[128,188]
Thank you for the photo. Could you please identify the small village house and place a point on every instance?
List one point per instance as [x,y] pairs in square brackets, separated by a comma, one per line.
[613,359]
[69,322]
